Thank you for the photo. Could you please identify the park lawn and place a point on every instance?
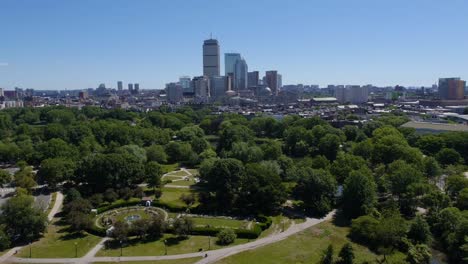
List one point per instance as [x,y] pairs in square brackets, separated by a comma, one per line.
[58,243]
[169,167]
[172,178]
[178,173]
[306,247]
[279,223]
[171,196]
[182,183]
[220,222]
[168,261]
[194,172]
[175,246]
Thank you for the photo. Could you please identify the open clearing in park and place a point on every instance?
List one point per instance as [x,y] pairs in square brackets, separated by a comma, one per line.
[175,245]
[172,261]
[305,247]
[59,243]
[172,196]
[220,222]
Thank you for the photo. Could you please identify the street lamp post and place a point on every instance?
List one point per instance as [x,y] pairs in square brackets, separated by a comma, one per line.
[30,250]
[165,247]
[120,247]
[76,249]
[209,242]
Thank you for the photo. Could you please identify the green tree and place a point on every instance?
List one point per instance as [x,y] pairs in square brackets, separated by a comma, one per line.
[224,178]
[56,170]
[346,254]
[316,188]
[153,173]
[327,255]
[78,214]
[22,220]
[448,156]
[5,177]
[419,254]
[4,240]
[226,236]
[24,178]
[329,146]
[183,226]
[419,231]
[431,167]
[359,193]
[120,231]
[345,164]
[156,153]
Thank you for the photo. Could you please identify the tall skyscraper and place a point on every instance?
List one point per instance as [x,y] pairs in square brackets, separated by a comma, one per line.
[451,89]
[136,88]
[119,86]
[130,87]
[230,62]
[211,60]
[253,79]
[273,81]
[240,75]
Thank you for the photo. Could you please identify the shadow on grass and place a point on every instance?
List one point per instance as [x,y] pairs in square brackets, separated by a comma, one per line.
[71,236]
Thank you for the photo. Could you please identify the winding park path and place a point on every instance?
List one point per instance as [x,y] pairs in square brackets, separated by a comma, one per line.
[213,255]
[55,209]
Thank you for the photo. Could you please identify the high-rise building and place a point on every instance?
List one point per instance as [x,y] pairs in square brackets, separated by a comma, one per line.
[273,81]
[211,60]
[185,83]
[240,75]
[354,94]
[253,79]
[174,93]
[230,62]
[136,89]
[219,85]
[130,87]
[451,89]
[201,86]
[119,86]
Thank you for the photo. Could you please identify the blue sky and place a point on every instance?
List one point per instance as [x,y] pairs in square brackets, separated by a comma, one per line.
[77,44]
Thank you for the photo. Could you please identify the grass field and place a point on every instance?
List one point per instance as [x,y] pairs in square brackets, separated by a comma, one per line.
[175,246]
[178,173]
[194,172]
[172,261]
[169,167]
[172,178]
[278,224]
[305,247]
[220,222]
[58,243]
[182,183]
[172,196]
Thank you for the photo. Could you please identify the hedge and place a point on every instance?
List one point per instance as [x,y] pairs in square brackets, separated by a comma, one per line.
[118,204]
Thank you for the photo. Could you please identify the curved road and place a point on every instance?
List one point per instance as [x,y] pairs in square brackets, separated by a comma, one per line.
[213,255]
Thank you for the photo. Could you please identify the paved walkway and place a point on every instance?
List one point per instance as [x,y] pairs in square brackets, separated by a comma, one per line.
[213,255]
[55,209]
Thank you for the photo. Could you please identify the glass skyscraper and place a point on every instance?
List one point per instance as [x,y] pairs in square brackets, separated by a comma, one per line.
[230,62]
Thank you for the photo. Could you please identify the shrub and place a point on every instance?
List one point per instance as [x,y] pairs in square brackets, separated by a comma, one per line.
[226,236]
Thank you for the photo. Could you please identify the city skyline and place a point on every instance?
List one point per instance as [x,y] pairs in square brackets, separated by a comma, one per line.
[364,43]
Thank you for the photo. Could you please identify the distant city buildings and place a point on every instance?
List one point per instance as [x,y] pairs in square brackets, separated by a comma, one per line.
[353,94]
[451,89]
[253,79]
[119,86]
[211,59]
[201,86]
[240,75]
[219,85]
[273,80]
[174,93]
[230,60]
[184,82]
